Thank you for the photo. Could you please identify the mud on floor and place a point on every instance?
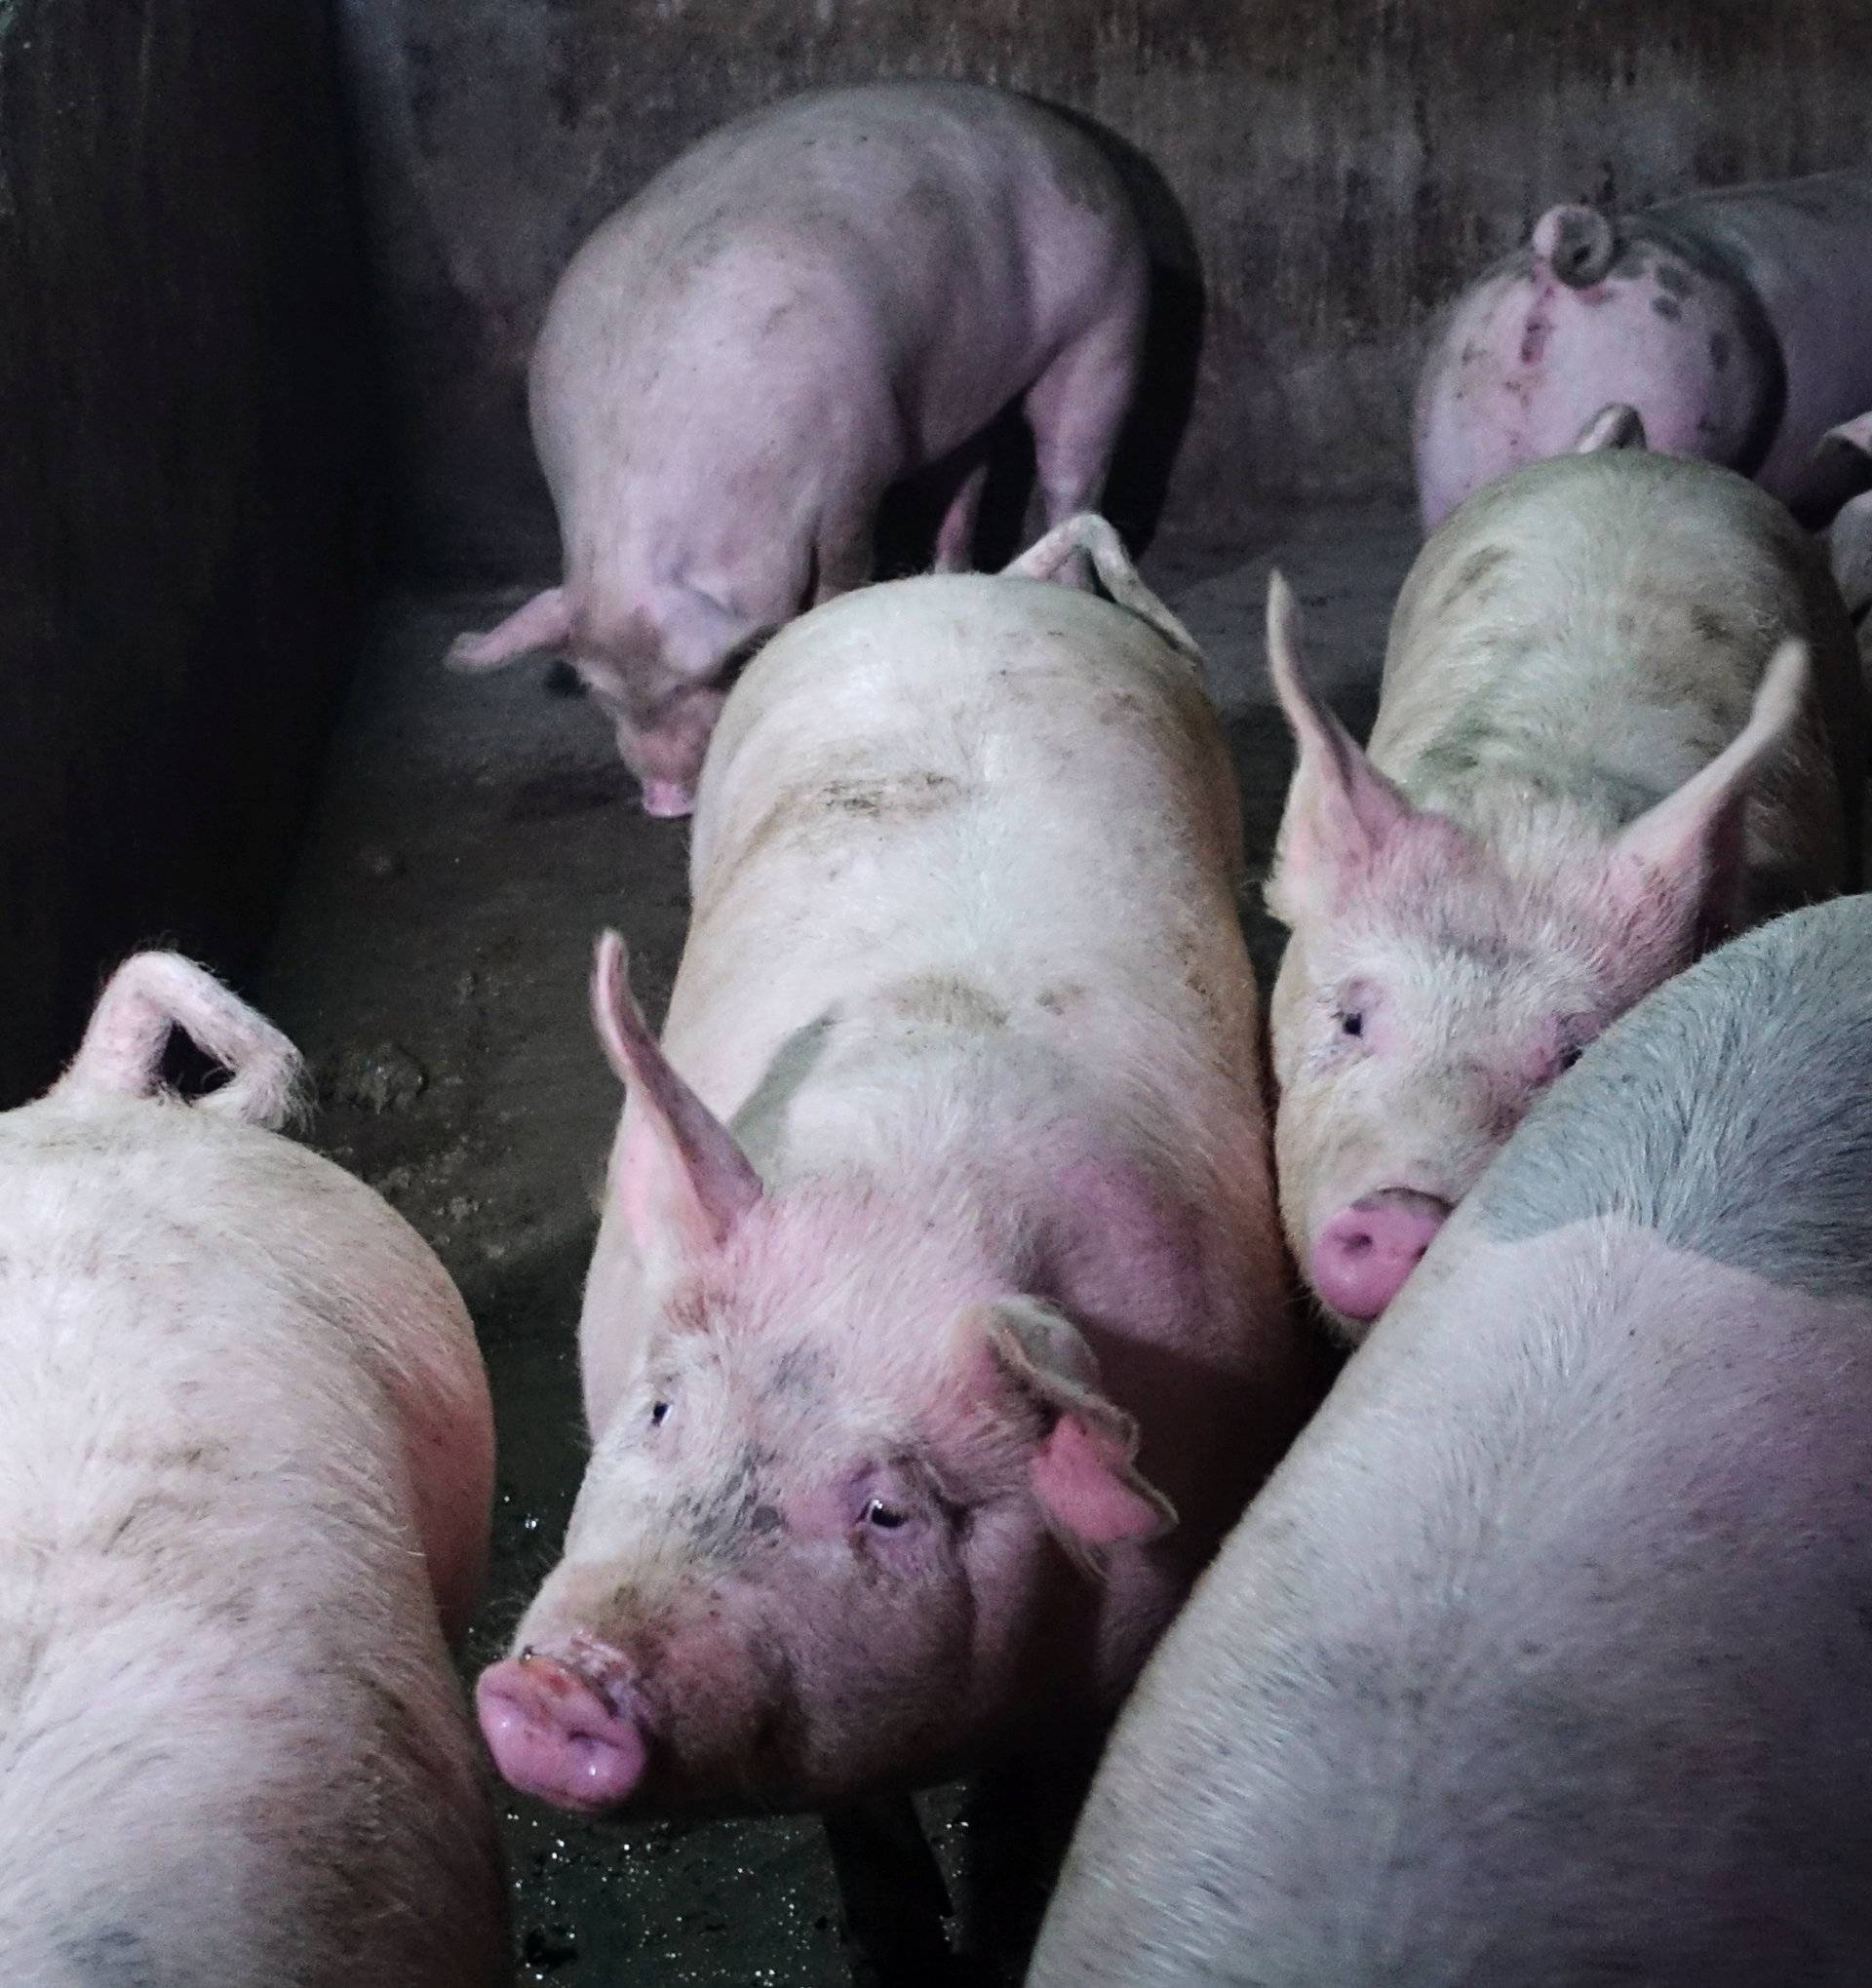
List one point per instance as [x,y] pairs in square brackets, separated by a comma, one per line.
[473,837]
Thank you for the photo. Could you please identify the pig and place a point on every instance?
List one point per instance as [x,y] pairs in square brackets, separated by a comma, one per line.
[1733,321]
[1845,502]
[1621,716]
[810,304]
[1543,1658]
[246,1459]
[938,1323]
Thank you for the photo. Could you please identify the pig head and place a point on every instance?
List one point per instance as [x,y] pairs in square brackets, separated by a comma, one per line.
[849,1504]
[1438,979]
[655,665]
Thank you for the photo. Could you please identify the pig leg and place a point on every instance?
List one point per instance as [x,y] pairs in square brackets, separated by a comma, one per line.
[1021,1816]
[956,540]
[841,558]
[893,1892]
[1076,410]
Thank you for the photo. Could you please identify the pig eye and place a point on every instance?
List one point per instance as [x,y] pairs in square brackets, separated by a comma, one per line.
[1569,1055]
[885,1517]
[658,1413]
[1350,1022]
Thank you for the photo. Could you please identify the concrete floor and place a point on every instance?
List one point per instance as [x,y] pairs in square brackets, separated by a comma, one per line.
[472,838]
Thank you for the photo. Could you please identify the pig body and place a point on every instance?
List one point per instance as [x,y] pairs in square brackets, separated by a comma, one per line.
[966,979]
[1543,1658]
[1733,321]
[246,1461]
[808,306]
[1620,715]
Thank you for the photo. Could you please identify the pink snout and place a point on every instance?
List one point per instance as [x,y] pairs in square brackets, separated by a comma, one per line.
[555,1734]
[1365,1252]
[668,799]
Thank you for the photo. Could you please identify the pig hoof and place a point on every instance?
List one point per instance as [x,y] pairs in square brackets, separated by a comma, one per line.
[668,800]
[554,1736]
[1366,1251]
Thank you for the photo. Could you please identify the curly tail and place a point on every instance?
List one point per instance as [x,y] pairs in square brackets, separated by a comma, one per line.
[152,992]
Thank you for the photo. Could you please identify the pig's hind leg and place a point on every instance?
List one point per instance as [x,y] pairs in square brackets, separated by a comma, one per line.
[1076,410]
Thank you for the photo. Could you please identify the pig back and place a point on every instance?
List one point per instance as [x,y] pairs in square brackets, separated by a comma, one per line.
[1000,782]
[900,258]
[1542,1658]
[242,1427]
[1597,626]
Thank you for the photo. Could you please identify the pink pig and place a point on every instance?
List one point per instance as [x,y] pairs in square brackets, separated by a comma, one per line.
[246,1461]
[809,304]
[1621,716]
[938,1323]
[1734,323]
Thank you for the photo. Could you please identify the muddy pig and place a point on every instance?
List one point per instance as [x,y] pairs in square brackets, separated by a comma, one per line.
[1733,321]
[938,1322]
[812,303]
[1544,1660]
[1620,715]
[246,1459]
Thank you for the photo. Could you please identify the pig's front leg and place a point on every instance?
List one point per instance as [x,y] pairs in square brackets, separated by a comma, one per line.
[893,1893]
[1021,1814]
[842,557]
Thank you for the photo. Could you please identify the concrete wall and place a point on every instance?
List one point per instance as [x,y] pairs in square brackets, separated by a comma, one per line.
[182,356]
[1342,164]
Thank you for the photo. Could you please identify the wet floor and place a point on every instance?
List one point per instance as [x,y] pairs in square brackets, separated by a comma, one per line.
[473,837]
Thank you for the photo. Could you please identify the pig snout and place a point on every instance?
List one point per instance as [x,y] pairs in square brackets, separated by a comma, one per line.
[1366,1251]
[561,1732]
[665,750]
[668,799]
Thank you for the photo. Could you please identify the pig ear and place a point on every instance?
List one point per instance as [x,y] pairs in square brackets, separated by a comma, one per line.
[713,1181]
[1613,426]
[1341,810]
[1691,842]
[698,634]
[544,623]
[1082,1473]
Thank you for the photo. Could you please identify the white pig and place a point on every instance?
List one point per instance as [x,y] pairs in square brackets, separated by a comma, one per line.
[938,1261]
[1544,1660]
[246,1458]
[809,304]
[1621,715]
